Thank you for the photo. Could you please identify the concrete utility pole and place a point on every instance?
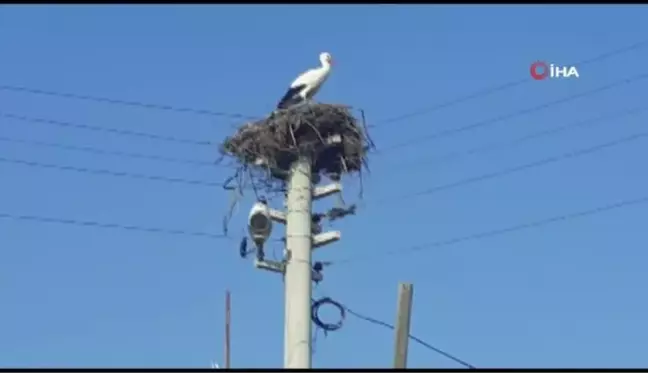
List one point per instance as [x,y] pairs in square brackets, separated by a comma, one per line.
[403,316]
[302,238]
[297,337]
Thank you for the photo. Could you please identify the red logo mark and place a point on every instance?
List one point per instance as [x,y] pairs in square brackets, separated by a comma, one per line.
[539,70]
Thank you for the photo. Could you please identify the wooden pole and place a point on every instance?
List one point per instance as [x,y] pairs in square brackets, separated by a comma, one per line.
[404,312]
[227,329]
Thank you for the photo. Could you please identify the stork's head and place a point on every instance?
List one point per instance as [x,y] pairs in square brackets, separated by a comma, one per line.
[326,59]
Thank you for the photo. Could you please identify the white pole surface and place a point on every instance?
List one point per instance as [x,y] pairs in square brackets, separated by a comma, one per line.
[297,334]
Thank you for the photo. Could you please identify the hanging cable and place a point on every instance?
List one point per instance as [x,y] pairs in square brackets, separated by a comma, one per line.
[415,339]
[505,86]
[111,130]
[511,115]
[116,101]
[344,310]
[95,224]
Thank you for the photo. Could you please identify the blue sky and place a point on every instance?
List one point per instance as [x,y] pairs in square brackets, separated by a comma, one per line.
[563,295]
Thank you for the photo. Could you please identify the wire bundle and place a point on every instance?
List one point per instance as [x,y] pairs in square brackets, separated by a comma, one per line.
[327,327]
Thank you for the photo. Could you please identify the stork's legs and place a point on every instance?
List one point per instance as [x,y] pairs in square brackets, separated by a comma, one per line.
[300,102]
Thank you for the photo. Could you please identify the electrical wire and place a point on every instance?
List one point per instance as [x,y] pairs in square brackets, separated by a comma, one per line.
[330,327]
[502,231]
[478,150]
[412,337]
[81,223]
[146,105]
[487,122]
[115,101]
[98,151]
[344,310]
[208,112]
[453,185]
[505,86]
[472,237]
[114,131]
[401,117]
[469,97]
[454,156]
[315,317]
[94,171]
[512,170]
[444,187]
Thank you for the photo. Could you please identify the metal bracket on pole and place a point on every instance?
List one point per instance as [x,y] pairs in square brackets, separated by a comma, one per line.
[269,265]
[326,190]
[326,238]
[280,267]
[277,216]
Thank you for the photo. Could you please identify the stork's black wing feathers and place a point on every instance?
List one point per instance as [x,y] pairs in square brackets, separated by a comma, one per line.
[289,98]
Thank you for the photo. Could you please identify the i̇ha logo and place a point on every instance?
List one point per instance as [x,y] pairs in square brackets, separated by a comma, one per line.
[541,70]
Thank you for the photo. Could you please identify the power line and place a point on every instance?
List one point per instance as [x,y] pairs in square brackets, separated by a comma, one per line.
[471,180]
[503,117]
[459,100]
[207,112]
[520,140]
[412,337]
[114,131]
[343,309]
[98,151]
[503,87]
[115,101]
[41,219]
[507,230]
[93,171]
[546,161]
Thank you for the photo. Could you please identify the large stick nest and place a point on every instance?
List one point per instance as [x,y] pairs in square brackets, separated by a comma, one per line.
[335,141]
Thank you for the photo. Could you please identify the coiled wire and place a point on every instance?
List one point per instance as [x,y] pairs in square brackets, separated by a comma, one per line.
[327,327]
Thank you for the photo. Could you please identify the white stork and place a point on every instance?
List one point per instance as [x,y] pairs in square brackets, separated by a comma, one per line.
[307,84]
